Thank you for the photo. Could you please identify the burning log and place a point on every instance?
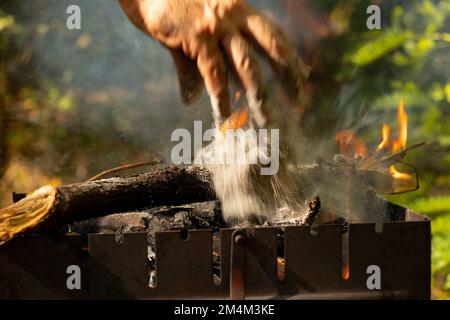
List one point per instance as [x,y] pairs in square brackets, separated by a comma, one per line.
[50,207]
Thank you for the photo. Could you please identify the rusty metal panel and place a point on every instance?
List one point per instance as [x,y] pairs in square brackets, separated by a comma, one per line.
[239,239]
[117,270]
[35,267]
[261,262]
[225,260]
[260,270]
[184,266]
[402,252]
[313,260]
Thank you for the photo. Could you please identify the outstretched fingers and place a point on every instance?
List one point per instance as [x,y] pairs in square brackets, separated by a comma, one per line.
[285,61]
[212,67]
[189,78]
[239,53]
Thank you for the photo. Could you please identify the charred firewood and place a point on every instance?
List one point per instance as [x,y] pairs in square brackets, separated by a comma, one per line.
[314,208]
[201,215]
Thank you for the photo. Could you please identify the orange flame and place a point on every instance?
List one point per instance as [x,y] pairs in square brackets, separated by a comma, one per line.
[403,120]
[386,132]
[399,143]
[349,143]
[237,120]
[398,175]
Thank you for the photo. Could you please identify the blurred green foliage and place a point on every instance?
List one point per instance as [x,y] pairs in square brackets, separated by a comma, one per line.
[412,58]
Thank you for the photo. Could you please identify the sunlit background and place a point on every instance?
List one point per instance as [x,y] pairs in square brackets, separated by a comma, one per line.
[76,102]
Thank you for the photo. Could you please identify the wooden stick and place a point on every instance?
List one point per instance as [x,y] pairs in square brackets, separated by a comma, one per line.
[396,157]
[103,174]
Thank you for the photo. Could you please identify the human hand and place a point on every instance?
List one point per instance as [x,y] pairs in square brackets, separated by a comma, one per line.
[207,38]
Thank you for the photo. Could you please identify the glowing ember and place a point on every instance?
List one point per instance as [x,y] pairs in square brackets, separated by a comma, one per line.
[345,271]
[281,266]
[237,96]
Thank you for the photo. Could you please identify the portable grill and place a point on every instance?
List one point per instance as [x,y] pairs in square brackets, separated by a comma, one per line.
[35,266]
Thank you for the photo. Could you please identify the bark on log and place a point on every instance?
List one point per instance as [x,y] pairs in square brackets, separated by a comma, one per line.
[166,186]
